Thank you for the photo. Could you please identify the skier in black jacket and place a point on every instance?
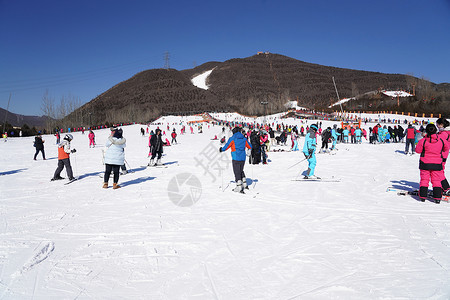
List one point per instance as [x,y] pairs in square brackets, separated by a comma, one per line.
[156,145]
[39,144]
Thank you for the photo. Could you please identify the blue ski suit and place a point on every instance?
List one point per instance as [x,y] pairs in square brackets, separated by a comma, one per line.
[309,149]
[334,137]
[345,133]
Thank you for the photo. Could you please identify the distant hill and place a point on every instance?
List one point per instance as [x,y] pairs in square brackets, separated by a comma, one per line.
[17,120]
[242,84]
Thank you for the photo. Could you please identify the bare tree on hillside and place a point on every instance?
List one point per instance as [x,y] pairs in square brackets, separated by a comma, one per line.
[48,109]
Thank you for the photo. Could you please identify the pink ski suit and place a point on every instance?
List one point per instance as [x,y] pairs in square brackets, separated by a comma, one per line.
[445,135]
[432,151]
[91,137]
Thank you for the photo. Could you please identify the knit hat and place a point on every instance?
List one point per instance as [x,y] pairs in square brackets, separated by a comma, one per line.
[430,129]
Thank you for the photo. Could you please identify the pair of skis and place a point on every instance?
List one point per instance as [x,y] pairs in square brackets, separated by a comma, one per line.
[445,198]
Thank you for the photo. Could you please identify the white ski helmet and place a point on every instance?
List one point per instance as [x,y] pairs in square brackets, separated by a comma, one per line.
[68,137]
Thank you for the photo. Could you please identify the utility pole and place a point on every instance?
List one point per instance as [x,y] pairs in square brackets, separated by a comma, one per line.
[166,60]
[339,100]
[265,110]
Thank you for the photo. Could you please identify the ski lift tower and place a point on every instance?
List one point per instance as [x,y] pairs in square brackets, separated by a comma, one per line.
[265,110]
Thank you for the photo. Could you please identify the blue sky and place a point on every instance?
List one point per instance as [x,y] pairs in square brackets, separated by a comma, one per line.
[79,49]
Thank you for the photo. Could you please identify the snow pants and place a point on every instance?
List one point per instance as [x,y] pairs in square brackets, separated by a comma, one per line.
[413,145]
[114,169]
[91,142]
[345,138]
[61,164]
[311,164]
[333,145]
[37,152]
[436,178]
[238,169]
[295,148]
[444,182]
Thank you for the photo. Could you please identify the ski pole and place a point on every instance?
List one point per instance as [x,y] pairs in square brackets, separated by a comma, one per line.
[76,166]
[129,168]
[308,157]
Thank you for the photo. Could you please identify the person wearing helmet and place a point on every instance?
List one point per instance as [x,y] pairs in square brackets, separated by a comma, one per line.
[309,149]
[63,158]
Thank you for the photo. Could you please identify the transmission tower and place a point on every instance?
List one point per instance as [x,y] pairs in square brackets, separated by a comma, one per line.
[166,60]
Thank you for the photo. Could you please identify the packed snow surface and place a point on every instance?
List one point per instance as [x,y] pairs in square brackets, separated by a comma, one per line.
[397,94]
[181,233]
[200,80]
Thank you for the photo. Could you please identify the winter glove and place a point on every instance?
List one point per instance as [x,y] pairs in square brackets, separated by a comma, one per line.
[310,151]
[306,155]
[220,149]
[74,150]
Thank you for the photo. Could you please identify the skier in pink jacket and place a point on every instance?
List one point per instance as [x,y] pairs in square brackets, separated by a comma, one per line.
[444,133]
[432,151]
[91,137]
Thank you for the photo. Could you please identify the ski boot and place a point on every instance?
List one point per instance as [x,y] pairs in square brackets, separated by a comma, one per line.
[239,188]
[151,163]
[158,162]
[244,183]
[57,178]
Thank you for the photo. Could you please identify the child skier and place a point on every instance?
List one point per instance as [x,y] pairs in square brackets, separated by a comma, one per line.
[91,137]
[237,142]
[433,152]
[174,137]
[309,149]
[63,158]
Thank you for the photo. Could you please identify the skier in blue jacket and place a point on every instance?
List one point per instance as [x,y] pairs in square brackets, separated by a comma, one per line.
[237,142]
[309,149]
[334,137]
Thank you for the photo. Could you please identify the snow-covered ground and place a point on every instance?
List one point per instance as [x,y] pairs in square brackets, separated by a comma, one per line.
[181,233]
[200,80]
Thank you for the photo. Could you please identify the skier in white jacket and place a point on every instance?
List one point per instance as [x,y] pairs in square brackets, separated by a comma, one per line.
[114,156]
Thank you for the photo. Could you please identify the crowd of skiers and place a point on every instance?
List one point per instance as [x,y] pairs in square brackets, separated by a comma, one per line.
[431,142]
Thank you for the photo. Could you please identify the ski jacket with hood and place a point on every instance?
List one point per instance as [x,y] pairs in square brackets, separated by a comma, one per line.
[432,151]
[115,154]
[310,143]
[445,135]
[237,142]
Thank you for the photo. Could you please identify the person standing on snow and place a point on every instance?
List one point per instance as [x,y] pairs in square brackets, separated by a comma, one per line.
[63,158]
[174,137]
[91,137]
[433,151]
[345,133]
[309,149]
[326,135]
[156,147]
[334,137]
[237,142]
[444,134]
[39,144]
[358,134]
[114,156]
[410,134]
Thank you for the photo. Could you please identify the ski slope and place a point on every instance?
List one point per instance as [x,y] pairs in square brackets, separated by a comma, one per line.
[156,238]
[200,80]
